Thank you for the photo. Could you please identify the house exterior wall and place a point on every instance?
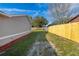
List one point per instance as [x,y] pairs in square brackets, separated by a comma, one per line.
[13,27]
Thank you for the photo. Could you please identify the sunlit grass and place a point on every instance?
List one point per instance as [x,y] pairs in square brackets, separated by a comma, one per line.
[64,46]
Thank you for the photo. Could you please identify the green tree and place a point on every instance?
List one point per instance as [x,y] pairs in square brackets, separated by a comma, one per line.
[39,21]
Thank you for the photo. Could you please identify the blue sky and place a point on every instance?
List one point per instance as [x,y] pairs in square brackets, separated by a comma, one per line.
[33,9]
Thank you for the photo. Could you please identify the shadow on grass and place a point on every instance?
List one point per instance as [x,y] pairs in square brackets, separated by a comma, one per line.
[64,46]
[21,47]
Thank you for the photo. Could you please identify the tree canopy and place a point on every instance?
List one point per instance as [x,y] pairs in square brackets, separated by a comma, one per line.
[39,21]
[60,12]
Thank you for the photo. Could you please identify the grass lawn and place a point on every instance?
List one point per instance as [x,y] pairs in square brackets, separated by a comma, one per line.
[21,47]
[64,47]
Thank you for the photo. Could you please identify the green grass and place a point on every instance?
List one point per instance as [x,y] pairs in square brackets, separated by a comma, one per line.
[64,46]
[21,47]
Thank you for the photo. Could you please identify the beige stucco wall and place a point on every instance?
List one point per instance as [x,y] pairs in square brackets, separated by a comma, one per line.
[13,26]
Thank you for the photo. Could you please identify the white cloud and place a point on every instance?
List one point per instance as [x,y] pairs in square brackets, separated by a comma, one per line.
[15,9]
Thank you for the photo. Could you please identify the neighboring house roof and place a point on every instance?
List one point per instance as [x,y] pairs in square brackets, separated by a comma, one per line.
[11,15]
[74,19]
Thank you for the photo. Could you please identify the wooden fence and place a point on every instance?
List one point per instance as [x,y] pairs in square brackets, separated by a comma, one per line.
[69,31]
